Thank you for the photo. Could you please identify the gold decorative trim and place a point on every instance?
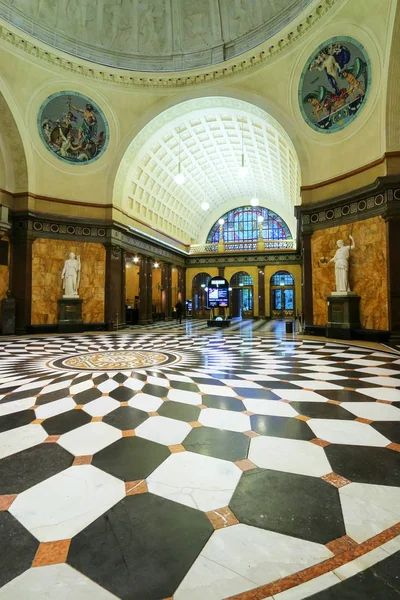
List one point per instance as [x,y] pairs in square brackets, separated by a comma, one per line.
[133,79]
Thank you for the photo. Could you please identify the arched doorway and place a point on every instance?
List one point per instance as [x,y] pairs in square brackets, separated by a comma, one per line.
[199,295]
[282,295]
[242,295]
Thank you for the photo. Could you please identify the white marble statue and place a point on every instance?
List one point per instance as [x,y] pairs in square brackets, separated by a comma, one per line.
[341,260]
[71,275]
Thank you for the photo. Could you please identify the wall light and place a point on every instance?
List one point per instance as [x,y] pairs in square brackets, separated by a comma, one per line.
[135,259]
[156,265]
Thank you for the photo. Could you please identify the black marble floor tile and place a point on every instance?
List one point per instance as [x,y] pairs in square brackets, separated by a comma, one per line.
[380,582]
[120,377]
[99,379]
[280,385]
[390,429]
[359,383]
[259,394]
[126,417]
[18,548]
[72,419]
[131,458]
[87,396]
[283,427]
[228,445]
[18,419]
[122,393]
[364,464]
[295,505]
[345,395]
[205,381]
[322,410]
[52,396]
[24,469]
[20,395]
[121,552]
[155,390]
[179,411]
[222,402]
[181,385]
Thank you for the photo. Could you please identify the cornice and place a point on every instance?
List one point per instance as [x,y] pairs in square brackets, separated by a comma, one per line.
[248,258]
[130,79]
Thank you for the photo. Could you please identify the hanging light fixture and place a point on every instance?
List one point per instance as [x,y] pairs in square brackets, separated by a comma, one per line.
[179,177]
[254,201]
[243,170]
[205,206]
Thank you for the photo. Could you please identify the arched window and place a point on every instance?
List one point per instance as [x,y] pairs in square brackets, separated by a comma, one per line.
[201,280]
[282,278]
[241,278]
[241,225]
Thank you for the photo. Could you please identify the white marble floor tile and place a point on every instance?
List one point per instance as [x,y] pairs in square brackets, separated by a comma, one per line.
[202,482]
[145,402]
[317,384]
[241,383]
[365,362]
[184,397]
[378,371]
[375,411]
[249,377]
[299,395]
[392,546]
[81,387]
[353,433]
[101,407]
[240,554]
[323,368]
[385,381]
[21,438]
[225,419]
[157,380]
[16,406]
[35,384]
[61,506]
[54,408]
[360,564]
[108,386]
[322,376]
[89,438]
[308,589]
[134,384]
[54,581]
[388,394]
[163,430]
[219,390]
[290,456]
[60,385]
[269,407]
[369,509]
[350,355]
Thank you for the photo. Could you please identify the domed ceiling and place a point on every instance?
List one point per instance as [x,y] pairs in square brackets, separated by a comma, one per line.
[152,35]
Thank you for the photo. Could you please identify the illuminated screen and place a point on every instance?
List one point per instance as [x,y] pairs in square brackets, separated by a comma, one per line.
[218,297]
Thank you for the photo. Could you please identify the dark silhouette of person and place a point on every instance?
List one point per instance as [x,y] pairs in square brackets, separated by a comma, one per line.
[179,310]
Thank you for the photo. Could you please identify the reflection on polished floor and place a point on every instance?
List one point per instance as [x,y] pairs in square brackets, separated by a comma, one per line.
[177,462]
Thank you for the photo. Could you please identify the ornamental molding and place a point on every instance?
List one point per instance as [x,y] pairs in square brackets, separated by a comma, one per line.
[357,206]
[250,259]
[131,79]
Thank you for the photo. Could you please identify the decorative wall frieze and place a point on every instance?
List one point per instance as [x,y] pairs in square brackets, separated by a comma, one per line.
[378,199]
[134,79]
[251,259]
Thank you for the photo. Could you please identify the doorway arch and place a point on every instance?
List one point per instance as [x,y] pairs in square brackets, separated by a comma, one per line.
[199,295]
[282,288]
[242,299]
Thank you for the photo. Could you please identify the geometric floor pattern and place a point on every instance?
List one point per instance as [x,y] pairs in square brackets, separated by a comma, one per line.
[233,466]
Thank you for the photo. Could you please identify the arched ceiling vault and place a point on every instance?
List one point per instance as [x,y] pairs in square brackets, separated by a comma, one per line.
[208,135]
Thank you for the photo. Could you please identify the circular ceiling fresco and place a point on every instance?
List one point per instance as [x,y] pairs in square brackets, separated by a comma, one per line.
[152,35]
[334,84]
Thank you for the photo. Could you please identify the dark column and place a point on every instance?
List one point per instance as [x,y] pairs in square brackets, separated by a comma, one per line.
[221,271]
[166,296]
[393,265]
[115,287]
[261,292]
[182,285]
[21,280]
[145,290]
[308,317]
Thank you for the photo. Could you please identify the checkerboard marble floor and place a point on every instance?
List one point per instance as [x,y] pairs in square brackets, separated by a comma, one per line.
[200,465]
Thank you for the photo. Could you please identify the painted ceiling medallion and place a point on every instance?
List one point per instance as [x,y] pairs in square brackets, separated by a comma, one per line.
[73,128]
[334,84]
[115,360]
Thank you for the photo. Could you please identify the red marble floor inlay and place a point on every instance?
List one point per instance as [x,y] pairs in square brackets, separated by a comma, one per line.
[82,460]
[132,488]
[341,544]
[245,465]
[51,553]
[52,439]
[221,518]
[321,443]
[336,480]
[6,501]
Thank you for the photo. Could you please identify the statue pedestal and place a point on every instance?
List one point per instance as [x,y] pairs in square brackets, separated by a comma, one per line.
[70,315]
[343,315]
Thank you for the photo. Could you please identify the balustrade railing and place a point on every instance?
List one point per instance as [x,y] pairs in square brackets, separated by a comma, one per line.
[243,246]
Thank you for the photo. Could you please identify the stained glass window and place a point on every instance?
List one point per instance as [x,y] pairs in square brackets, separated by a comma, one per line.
[282,278]
[241,225]
[241,278]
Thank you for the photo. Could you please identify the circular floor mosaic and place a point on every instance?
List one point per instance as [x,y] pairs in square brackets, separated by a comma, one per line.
[118,360]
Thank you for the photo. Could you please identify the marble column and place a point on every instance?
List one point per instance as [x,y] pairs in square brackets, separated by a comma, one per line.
[393,257]
[182,285]
[145,291]
[166,297]
[261,292]
[21,280]
[114,309]
[307,291]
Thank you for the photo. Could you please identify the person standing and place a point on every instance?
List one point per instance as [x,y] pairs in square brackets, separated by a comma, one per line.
[179,309]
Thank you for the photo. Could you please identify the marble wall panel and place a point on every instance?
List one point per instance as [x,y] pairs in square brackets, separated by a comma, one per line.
[4,275]
[368,270]
[48,258]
